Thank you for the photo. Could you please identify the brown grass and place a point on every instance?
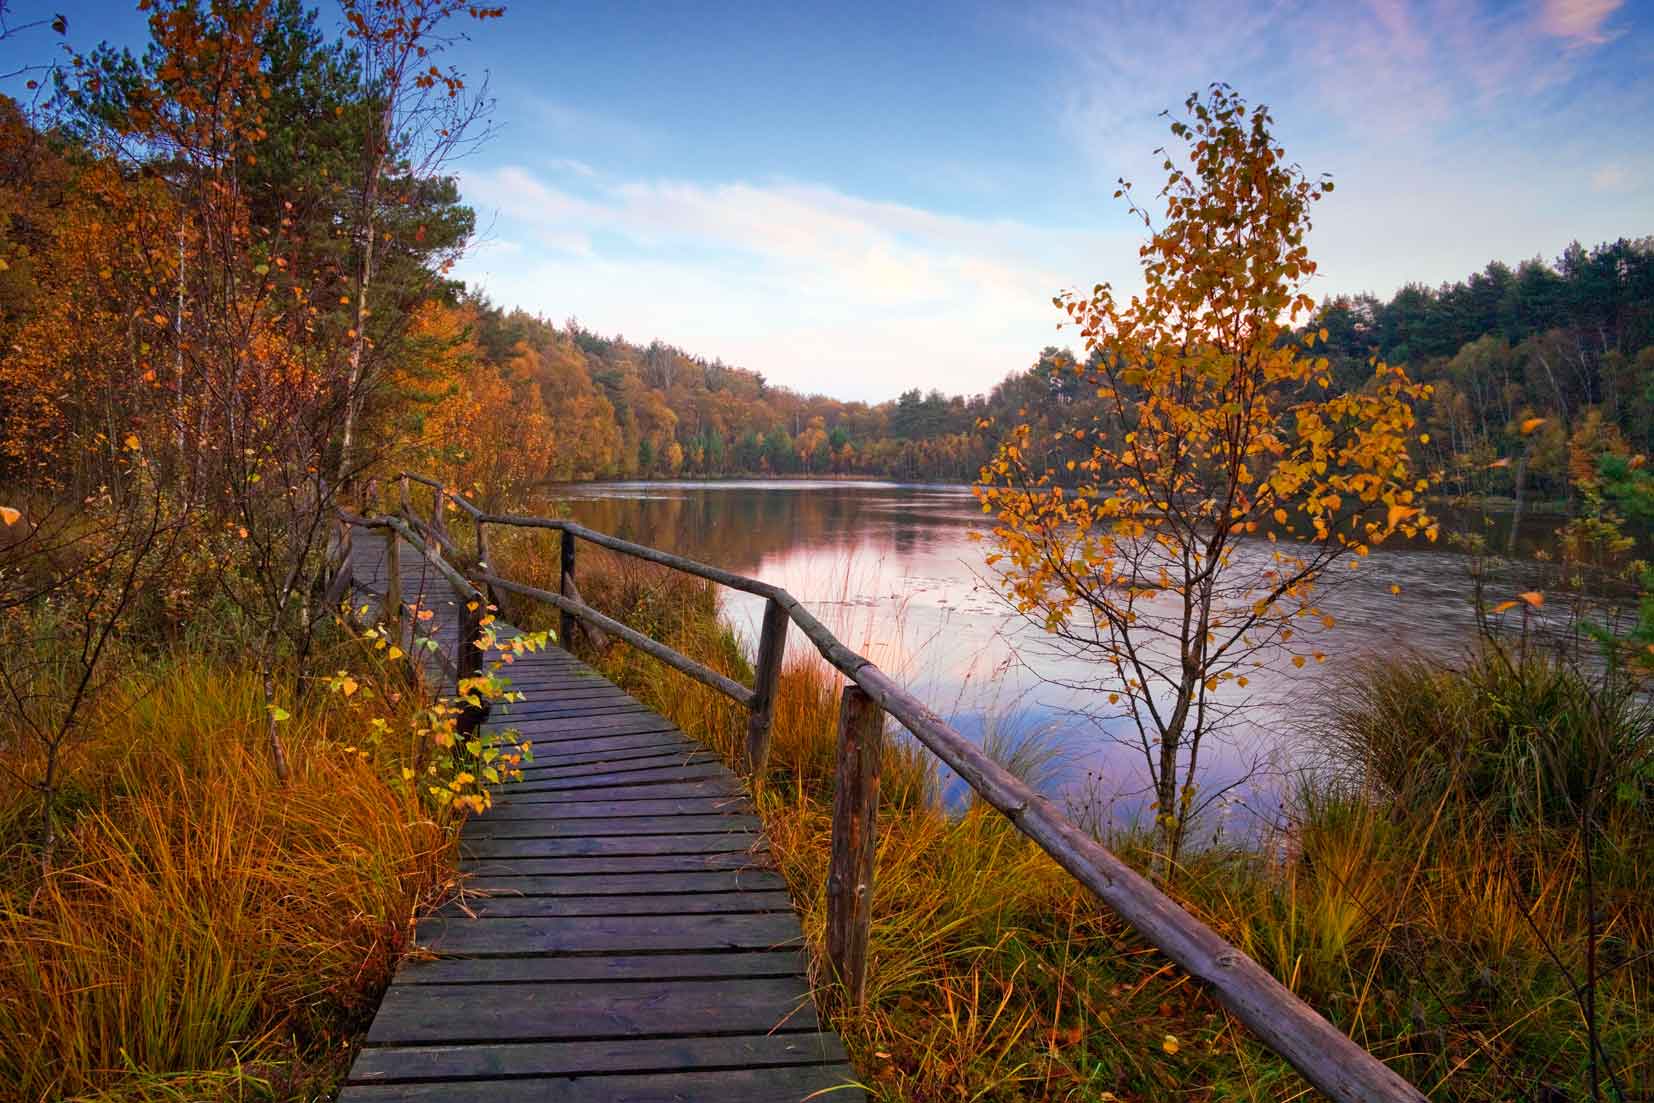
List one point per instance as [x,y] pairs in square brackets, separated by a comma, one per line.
[208,934]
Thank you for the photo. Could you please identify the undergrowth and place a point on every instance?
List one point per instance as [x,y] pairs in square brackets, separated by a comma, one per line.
[207,933]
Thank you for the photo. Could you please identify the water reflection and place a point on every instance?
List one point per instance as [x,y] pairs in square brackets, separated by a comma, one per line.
[893,571]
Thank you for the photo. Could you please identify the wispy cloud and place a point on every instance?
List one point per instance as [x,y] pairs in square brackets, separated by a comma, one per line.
[819,289]
[1584,22]
[1457,131]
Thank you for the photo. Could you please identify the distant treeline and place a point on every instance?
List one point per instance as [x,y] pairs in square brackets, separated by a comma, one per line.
[1571,342]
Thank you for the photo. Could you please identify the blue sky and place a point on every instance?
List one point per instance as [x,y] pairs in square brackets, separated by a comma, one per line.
[858,199]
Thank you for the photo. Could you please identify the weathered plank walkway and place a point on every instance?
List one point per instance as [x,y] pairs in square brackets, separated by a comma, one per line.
[622,935]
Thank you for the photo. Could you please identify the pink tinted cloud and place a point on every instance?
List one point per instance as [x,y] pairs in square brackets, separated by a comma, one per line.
[1582,22]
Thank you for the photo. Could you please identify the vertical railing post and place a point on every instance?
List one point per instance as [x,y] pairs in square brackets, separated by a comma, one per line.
[407,497]
[392,612]
[339,588]
[468,664]
[438,498]
[772,647]
[855,825]
[565,586]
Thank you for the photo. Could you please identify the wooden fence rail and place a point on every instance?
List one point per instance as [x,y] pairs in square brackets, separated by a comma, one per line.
[1323,1054]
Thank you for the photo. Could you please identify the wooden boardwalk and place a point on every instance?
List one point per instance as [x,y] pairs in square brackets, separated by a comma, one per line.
[623,935]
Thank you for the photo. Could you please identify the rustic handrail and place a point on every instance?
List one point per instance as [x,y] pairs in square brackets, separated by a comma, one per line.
[1321,1053]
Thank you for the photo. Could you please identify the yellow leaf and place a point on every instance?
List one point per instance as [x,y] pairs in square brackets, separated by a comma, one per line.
[348,686]
[1170,1044]
[1399,514]
[1394,589]
[394,653]
[1504,462]
[1298,660]
[1531,424]
[132,442]
[1280,516]
[1533,598]
[9,515]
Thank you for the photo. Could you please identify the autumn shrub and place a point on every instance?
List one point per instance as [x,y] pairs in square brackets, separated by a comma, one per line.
[205,932]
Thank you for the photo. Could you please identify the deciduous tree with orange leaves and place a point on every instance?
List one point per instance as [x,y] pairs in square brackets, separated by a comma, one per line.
[1177,534]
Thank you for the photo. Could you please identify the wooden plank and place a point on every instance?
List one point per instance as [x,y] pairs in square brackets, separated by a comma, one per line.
[669,883]
[705,771]
[611,1009]
[514,1060]
[818,1083]
[569,748]
[721,786]
[591,826]
[646,748]
[575,726]
[619,934]
[611,845]
[547,907]
[559,709]
[508,809]
[655,863]
[554,729]
[614,967]
[598,690]
[606,765]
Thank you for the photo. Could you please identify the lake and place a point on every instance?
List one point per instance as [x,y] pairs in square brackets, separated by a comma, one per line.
[893,571]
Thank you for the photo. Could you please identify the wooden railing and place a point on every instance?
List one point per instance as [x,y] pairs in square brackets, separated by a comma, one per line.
[1323,1054]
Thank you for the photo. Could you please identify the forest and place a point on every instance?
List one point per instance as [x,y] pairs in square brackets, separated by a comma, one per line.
[1568,341]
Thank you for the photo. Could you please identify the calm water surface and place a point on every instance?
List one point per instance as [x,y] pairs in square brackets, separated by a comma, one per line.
[893,571]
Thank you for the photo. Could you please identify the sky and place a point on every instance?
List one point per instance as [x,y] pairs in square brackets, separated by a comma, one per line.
[858,199]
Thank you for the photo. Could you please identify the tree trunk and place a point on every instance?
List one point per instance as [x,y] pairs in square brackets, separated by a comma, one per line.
[364,279]
[278,753]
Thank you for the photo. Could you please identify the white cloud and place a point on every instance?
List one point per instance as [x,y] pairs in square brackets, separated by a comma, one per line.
[817,289]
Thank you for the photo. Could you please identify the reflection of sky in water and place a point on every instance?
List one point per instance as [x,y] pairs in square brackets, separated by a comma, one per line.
[892,570]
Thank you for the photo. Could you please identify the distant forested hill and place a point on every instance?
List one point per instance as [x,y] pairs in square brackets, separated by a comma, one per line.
[1572,342]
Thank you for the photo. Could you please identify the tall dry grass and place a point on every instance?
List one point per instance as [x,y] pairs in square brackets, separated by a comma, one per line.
[207,933]
[1436,935]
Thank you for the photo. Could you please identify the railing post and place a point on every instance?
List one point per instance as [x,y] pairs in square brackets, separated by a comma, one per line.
[565,583]
[772,647]
[407,497]
[392,611]
[438,522]
[343,575]
[485,565]
[468,664]
[855,824]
